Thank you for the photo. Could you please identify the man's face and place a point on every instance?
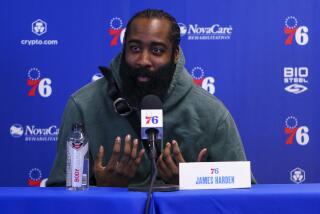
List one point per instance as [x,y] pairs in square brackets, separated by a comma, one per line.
[149,59]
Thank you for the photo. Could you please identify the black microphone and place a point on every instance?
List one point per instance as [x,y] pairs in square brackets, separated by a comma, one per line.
[152,125]
[151,136]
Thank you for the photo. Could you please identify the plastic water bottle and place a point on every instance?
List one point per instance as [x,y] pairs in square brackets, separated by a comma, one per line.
[77,166]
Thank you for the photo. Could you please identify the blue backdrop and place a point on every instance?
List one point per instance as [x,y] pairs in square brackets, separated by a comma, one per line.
[261,58]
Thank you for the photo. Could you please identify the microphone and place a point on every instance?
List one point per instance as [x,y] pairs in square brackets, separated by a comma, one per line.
[151,136]
[152,125]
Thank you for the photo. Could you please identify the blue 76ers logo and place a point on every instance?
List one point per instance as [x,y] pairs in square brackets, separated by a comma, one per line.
[151,119]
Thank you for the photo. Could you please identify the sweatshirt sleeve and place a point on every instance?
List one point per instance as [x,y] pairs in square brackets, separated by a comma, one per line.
[71,115]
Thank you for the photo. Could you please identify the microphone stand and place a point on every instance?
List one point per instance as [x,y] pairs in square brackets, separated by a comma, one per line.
[152,154]
[154,172]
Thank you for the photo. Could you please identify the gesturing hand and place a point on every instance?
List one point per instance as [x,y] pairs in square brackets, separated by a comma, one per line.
[169,168]
[121,167]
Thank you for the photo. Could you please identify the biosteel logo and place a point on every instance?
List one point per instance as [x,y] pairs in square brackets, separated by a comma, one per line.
[116,31]
[295,79]
[206,82]
[34,133]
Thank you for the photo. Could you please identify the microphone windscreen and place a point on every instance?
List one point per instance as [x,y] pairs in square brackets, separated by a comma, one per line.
[151,102]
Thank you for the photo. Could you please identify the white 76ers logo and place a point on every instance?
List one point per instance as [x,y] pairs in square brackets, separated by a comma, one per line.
[34,81]
[300,133]
[299,33]
[207,83]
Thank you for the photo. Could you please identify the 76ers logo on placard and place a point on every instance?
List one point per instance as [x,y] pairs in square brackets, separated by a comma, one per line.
[207,83]
[43,86]
[295,32]
[116,31]
[294,131]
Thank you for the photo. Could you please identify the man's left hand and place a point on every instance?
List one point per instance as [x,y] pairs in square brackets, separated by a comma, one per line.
[168,168]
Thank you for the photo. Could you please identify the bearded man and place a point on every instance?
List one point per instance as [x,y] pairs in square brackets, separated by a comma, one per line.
[197,126]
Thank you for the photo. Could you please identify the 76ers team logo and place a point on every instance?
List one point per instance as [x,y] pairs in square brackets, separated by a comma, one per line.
[43,86]
[296,33]
[207,83]
[116,30]
[294,131]
[35,176]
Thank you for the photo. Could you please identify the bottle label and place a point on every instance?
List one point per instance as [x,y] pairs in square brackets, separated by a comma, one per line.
[77,153]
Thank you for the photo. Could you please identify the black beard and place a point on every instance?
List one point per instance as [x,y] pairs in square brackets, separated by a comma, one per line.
[158,84]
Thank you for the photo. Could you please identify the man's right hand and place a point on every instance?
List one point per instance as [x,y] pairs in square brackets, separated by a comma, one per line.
[121,167]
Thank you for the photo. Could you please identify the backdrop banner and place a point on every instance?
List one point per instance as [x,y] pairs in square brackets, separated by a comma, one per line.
[261,58]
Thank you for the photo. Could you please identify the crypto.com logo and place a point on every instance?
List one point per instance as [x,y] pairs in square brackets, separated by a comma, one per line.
[297,175]
[39,27]
[207,83]
[295,32]
[296,79]
[116,30]
[34,81]
[294,131]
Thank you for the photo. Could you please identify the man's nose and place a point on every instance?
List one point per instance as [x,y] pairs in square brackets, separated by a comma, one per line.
[144,59]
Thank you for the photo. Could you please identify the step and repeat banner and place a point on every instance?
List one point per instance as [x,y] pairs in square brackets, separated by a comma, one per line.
[261,58]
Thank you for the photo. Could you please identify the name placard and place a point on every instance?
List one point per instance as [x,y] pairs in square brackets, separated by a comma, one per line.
[214,175]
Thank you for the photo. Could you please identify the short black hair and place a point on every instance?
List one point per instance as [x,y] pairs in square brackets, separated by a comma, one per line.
[158,14]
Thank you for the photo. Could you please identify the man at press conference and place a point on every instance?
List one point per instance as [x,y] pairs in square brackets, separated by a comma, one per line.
[196,125]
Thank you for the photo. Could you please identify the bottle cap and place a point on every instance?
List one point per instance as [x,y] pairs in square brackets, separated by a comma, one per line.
[78,126]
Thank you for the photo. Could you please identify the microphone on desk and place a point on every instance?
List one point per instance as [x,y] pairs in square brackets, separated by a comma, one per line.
[151,135]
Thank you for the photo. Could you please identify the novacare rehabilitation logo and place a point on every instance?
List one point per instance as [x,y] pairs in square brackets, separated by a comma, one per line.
[34,133]
[206,32]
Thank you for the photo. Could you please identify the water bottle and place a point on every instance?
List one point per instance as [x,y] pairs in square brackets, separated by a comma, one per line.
[77,166]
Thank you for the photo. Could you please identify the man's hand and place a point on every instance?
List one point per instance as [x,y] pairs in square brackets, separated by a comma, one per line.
[169,168]
[121,167]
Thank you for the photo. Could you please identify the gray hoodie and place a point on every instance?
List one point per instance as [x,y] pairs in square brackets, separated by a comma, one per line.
[192,117]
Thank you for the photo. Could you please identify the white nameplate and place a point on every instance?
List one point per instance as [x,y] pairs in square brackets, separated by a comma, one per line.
[214,175]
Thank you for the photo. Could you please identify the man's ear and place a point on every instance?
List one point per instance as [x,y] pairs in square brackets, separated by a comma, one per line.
[176,55]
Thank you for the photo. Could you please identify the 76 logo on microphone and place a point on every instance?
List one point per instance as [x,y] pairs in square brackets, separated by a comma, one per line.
[294,131]
[151,118]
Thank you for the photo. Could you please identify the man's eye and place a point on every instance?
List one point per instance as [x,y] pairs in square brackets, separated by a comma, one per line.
[157,51]
[134,48]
